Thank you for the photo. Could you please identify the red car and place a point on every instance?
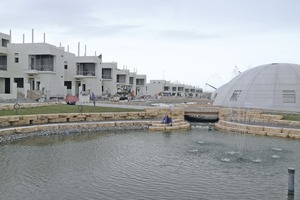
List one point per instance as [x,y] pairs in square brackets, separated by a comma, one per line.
[71,100]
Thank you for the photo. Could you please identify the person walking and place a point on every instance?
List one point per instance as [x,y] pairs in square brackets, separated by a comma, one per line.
[93,98]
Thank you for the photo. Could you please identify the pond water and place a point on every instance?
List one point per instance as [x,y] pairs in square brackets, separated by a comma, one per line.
[194,164]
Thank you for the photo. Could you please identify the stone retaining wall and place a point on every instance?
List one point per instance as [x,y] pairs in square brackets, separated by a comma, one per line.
[150,113]
[21,126]
[235,120]
[255,116]
[16,133]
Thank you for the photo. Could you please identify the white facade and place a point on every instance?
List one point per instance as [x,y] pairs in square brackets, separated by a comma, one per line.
[53,72]
[166,88]
[31,66]
[121,81]
[139,84]
[83,75]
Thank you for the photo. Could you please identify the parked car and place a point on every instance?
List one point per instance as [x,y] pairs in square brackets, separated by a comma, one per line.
[71,100]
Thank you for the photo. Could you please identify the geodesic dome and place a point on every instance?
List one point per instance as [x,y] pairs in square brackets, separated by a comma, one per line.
[273,86]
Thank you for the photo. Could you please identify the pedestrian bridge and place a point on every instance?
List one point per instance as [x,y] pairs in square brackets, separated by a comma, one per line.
[201,113]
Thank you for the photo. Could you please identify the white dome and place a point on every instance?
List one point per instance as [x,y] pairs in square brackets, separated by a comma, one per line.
[273,86]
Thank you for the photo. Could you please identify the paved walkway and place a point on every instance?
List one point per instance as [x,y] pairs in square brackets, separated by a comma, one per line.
[116,105]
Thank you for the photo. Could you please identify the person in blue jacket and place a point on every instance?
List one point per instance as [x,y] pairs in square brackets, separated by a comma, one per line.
[167,120]
[93,98]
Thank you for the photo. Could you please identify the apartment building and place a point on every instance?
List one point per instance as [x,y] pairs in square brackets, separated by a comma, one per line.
[5,79]
[30,67]
[166,88]
[83,76]
[41,69]
[121,81]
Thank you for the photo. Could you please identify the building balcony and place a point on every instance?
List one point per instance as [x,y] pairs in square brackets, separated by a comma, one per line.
[39,69]
[106,77]
[45,68]
[85,74]
[3,50]
[121,81]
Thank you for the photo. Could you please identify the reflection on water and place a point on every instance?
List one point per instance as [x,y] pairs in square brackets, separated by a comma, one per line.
[195,164]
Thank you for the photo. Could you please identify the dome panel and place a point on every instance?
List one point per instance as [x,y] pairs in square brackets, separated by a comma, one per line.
[273,86]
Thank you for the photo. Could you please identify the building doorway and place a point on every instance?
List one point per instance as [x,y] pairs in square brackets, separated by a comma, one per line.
[77,85]
[31,83]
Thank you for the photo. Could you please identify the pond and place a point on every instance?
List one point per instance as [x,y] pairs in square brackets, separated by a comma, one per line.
[194,164]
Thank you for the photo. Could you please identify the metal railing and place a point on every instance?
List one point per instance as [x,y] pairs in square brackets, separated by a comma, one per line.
[41,67]
[106,77]
[85,73]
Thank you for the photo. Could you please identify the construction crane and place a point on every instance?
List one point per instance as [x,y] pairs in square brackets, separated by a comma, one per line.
[210,86]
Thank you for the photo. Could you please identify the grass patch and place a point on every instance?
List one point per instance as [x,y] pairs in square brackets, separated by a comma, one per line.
[291,117]
[63,109]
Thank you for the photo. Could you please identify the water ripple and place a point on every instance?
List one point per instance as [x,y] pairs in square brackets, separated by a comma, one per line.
[139,165]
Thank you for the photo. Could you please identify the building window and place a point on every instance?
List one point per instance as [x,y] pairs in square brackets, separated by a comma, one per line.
[4,42]
[66,66]
[16,60]
[68,84]
[106,73]
[121,78]
[20,82]
[140,82]
[235,95]
[289,96]
[131,80]
[3,62]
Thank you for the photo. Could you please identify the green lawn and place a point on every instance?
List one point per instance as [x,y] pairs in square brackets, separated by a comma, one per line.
[291,117]
[63,109]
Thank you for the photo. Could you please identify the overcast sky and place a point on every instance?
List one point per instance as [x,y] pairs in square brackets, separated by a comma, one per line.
[190,41]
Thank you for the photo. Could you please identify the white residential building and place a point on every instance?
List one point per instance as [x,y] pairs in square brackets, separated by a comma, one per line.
[166,88]
[44,69]
[30,66]
[83,75]
[40,68]
[121,81]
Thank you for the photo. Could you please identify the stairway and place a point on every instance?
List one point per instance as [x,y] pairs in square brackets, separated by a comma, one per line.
[34,94]
[178,124]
